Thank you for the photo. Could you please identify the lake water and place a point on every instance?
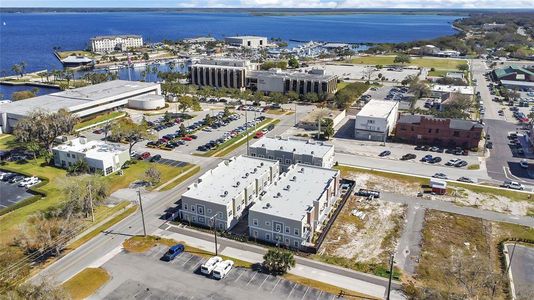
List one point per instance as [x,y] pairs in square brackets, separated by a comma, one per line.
[30,37]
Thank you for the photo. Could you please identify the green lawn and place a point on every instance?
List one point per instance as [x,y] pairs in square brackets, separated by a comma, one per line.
[438,73]
[341,85]
[182,178]
[65,54]
[100,118]
[86,283]
[7,141]
[437,63]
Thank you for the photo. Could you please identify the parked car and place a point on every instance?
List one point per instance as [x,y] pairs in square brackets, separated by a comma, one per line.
[222,268]
[173,252]
[461,163]
[426,158]
[259,134]
[207,267]
[435,160]
[29,181]
[17,179]
[408,156]
[156,157]
[440,176]
[7,177]
[452,162]
[513,185]
[384,153]
[144,155]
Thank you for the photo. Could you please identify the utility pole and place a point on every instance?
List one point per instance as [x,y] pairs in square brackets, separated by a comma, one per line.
[390,275]
[295,113]
[142,213]
[214,233]
[91,202]
[246,129]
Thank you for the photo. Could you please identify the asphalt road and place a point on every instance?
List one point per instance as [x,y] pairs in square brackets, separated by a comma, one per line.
[522,270]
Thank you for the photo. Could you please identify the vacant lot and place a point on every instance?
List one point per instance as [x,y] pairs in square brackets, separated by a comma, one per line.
[426,62]
[364,242]
[460,256]
[487,198]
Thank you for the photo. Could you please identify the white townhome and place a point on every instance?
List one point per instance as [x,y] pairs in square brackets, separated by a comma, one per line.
[293,151]
[100,157]
[295,206]
[222,194]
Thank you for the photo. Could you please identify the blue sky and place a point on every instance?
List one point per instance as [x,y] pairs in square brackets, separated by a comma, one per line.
[275,3]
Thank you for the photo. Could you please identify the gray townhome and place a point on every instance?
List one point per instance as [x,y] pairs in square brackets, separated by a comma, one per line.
[295,206]
[293,151]
[221,195]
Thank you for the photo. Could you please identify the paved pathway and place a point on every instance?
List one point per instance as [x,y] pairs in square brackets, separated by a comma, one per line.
[409,247]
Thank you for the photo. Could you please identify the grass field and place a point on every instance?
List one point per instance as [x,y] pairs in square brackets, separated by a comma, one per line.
[65,54]
[451,240]
[425,62]
[341,85]
[86,283]
[100,118]
[7,141]
[164,186]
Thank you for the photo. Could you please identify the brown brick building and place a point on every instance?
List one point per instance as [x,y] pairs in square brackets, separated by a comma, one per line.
[428,130]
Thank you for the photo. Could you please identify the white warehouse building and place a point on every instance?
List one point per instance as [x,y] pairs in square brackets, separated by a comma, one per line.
[111,43]
[376,120]
[100,156]
[247,41]
[293,151]
[295,206]
[222,194]
[86,101]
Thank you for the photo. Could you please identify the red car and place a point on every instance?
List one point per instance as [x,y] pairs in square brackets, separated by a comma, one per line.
[187,138]
[144,155]
[259,134]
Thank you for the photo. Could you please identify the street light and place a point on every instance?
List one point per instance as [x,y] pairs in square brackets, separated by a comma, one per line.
[212,221]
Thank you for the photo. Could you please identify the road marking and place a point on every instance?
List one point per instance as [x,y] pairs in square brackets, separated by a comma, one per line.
[187,260]
[320,293]
[307,288]
[239,275]
[252,278]
[197,264]
[263,281]
[294,285]
[274,287]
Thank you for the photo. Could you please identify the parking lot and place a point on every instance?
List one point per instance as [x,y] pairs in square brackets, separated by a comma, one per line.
[11,193]
[144,276]
[391,93]
[359,72]
[172,163]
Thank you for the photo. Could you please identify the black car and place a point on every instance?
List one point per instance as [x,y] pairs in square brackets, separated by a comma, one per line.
[408,156]
[435,160]
[202,148]
[155,158]
[8,177]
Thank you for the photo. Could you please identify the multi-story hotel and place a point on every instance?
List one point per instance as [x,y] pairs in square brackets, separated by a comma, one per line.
[112,43]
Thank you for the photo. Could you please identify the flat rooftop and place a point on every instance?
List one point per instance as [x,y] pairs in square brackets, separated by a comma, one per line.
[306,184]
[317,149]
[220,185]
[72,98]
[102,37]
[91,149]
[378,108]
[292,75]
[313,115]
[466,90]
[246,37]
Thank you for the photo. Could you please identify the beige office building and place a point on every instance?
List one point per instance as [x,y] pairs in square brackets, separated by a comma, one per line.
[221,73]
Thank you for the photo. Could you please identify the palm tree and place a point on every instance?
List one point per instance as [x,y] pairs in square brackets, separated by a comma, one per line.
[278,261]
[17,69]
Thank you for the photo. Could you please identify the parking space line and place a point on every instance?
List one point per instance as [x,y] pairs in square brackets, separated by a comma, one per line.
[187,260]
[197,264]
[158,252]
[274,287]
[255,273]
[240,275]
[319,296]
[288,295]
[263,281]
[303,296]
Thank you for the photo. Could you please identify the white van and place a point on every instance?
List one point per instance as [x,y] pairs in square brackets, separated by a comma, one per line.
[222,269]
[208,266]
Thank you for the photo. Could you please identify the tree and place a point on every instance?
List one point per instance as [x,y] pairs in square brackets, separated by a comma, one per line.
[463,67]
[21,95]
[43,128]
[19,68]
[208,120]
[146,56]
[83,194]
[311,97]
[293,62]
[292,95]
[226,112]
[185,102]
[126,130]
[402,58]
[152,176]
[78,167]
[183,130]
[278,262]
[327,128]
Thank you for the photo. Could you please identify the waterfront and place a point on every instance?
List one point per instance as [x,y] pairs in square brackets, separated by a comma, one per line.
[31,37]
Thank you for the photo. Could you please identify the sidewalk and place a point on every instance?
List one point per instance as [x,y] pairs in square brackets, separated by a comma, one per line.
[337,276]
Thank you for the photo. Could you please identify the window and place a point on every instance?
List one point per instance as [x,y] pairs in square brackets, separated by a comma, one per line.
[209,210]
[230,213]
[253,154]
[220,226]
[261,156]
[239,207]
[296,243]
[278,228]
[68,154]
[185,206]
[255,222]
[267,223]
[296,231]
[255,233]
[288,161]
[271,157]
[430,130]
[201,220]
[200,210]
[370,121]
[192,208]
[287,241]
[287,229]
[298,161]
[456,133]
[220,215]
[267,237]
[194,219]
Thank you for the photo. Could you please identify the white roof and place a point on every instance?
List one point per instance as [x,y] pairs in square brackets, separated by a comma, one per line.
[317,149]
[378,108]
[97,150]
[306,184]
[466,90]
[248,37]
[228,179]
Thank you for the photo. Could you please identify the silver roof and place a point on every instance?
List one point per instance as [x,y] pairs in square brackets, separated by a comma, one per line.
[378,108]
[306,184]
[317,149]
[228,179]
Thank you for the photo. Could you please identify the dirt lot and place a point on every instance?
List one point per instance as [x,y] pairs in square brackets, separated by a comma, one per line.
[410,186]
[366,240]
[460,257]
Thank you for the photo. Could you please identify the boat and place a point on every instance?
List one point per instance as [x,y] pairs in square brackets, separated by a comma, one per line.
[114,68]
[139,65]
